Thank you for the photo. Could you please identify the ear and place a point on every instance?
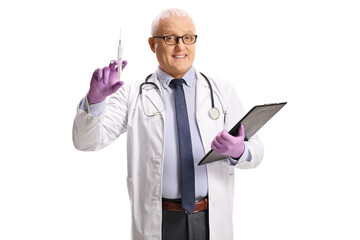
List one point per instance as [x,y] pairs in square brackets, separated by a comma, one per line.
[152,44]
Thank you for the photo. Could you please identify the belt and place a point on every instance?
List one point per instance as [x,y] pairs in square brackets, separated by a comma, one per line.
[200,205]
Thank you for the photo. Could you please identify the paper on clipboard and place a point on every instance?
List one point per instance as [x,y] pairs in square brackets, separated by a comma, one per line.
[252,122]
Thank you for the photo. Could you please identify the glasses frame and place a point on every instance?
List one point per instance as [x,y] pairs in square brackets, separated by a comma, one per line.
[177,38]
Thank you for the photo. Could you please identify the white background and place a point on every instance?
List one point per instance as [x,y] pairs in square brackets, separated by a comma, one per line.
[304,52]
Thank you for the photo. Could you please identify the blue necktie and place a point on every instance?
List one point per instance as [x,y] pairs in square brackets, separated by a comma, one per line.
[185,147]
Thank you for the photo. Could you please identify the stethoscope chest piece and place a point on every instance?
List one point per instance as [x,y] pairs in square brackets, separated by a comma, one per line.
[214,113]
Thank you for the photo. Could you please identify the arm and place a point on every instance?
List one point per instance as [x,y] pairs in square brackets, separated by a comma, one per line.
[256,150]
[94,109]
[98,125]
[242,154]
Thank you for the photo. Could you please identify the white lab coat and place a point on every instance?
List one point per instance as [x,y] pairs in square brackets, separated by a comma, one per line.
[145,151]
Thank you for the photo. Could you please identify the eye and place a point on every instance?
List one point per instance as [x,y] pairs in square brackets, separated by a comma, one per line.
[188,37]
[170,38]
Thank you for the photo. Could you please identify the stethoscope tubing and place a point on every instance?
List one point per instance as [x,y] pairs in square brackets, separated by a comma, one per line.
[214,112]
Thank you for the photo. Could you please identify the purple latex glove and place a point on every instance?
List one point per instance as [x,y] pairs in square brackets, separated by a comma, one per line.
[228,145]
[104,82]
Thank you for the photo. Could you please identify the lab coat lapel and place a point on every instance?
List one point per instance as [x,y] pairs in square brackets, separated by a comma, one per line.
[203,104]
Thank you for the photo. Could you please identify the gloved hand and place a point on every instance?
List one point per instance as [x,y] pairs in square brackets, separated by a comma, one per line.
[226,144]
[104,82]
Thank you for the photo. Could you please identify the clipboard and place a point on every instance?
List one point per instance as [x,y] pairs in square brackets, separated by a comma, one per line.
[252,122]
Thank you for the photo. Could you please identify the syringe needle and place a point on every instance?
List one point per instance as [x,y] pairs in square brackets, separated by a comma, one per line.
[120,52]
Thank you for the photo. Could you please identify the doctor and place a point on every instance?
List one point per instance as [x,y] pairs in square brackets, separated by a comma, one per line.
[170,126]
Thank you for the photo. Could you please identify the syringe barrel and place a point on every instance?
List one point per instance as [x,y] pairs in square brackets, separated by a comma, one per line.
[120,52]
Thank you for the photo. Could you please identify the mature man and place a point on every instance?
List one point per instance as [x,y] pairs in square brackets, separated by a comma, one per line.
[171,123]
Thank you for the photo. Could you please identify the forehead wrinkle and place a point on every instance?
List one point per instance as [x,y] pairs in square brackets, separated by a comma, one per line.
[175,32]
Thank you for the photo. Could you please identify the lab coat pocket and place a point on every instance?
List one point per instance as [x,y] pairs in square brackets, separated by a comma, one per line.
[231,188]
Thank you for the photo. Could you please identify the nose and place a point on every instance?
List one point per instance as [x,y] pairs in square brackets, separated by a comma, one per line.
[180,45]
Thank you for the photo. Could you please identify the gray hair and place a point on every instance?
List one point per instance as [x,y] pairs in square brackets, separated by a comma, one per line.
[171,12]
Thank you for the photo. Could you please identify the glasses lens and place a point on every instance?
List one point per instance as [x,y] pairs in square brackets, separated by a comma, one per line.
[189,39]
[170,39]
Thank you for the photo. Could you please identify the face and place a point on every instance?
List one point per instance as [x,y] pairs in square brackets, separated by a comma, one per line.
[177,59]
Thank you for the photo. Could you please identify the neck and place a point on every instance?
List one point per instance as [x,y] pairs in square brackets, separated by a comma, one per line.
[175,75]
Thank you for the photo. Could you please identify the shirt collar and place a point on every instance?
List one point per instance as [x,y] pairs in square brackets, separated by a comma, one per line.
[165,79]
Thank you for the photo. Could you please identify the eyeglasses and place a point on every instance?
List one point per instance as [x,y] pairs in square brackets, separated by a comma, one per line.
[173,40]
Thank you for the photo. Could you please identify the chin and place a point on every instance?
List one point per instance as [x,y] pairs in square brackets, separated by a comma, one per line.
[182,69]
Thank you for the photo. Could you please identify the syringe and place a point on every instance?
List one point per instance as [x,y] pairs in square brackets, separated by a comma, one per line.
[120,52]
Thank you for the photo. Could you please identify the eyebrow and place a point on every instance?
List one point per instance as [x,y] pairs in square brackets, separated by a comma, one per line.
[172,33]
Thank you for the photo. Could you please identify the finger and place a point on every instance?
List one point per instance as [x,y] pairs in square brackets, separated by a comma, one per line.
[113,64]
[219,143]
[218,149]
[216,143]
[124,63]
[97,74]
[116,86]
[227,136]
[241,132]
[215,148]
[113,68]
[106,74]
[100,74]
[218,138]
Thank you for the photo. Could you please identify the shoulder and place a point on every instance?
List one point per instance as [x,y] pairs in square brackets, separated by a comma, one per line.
[220,85]
[227,94]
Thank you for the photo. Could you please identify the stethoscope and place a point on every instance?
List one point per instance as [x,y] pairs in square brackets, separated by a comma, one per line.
[213,112]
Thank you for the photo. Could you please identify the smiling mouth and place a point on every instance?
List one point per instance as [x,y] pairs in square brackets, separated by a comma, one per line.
[179,56]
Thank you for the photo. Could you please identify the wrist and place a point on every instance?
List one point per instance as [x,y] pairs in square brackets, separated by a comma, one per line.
[238,154]
[93,99]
